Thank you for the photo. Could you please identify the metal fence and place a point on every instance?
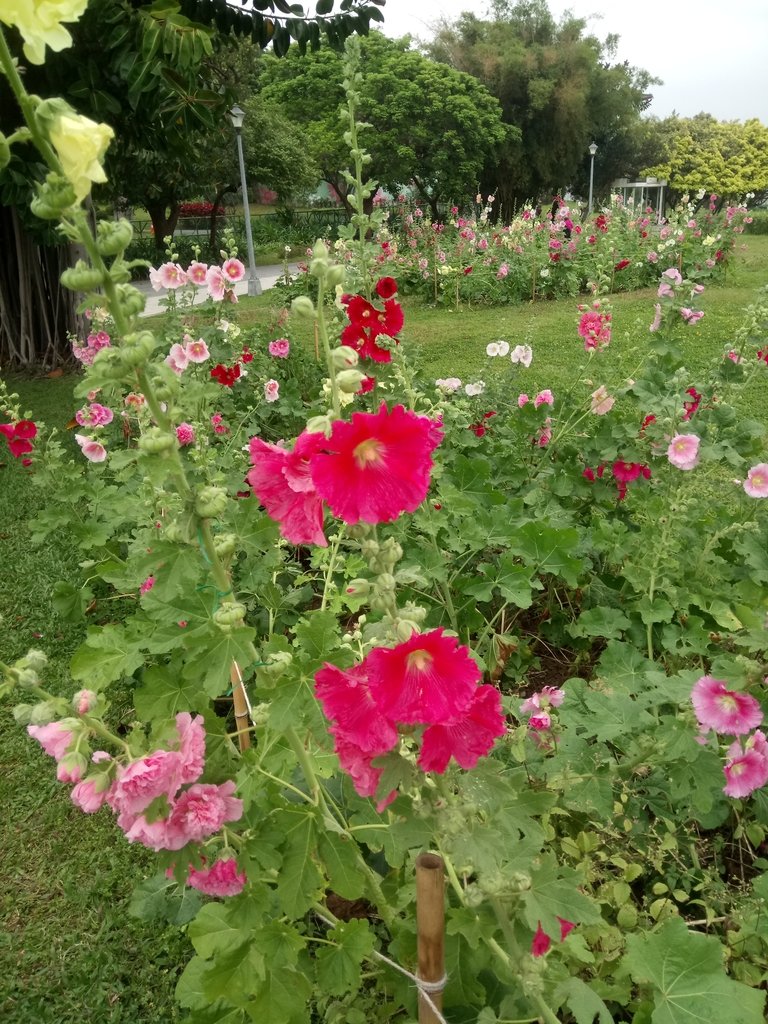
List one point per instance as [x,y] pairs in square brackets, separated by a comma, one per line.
[283,222]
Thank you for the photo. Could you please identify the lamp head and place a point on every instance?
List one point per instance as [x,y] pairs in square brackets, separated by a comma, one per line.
[592,148]
[237,116]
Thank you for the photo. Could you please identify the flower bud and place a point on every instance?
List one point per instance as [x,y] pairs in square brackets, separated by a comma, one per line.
[156,441]
[43,713]
[385,583]
[84,701]
[53,196]
[369,548]
[82,277]
[113,236]
[72,767]
[137,348]
[336,275]
[279,662]
[303,306]
[349,381]
[405,629]
[320,250]
[225,544]
[34,659]
[22,714]
[344,357]
[109,363]
[319,425]
[230,614]
[211,502]
[131,300]
[358,588]
[5,152]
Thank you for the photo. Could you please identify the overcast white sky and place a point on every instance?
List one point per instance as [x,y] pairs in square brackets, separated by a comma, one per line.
[712,55]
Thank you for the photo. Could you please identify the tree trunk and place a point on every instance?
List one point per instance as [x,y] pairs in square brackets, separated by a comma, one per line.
[36,313]
[164,217]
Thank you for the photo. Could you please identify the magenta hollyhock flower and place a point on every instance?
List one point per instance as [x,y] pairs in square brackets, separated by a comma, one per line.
[233,270]
[143,780]
[147,585]
[541,942]
[540,721]
[377,465]
[200,811]
[196,272]
[683,451]
[279,348]
[217,283]
[196,351]
[347,701]
[747,767]
[185,434]
[88,796]
[544,398]
[756,484]
[429,678]
[728,711]
[177,358]
[466,738]
[191,733]
[271,391]
[522,400]
[92,450]
[282,482]
[220,879]
[55,738]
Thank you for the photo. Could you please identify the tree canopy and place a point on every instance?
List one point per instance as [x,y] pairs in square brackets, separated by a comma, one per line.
[429,124]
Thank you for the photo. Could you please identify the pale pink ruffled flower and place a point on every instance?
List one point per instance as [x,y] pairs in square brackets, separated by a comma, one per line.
[673,275]
[168,275]
[92,450]
[747,767]
[233,270]
[548,696]
[691,316]
[522,400]
[602,402]
[196,351]
[545,434]
[196,272]
[271,391]
[55,738]
[142,781]
[177,358]
[656,324]
[522,354]
[279,348]
[200,811]
[544,398]
[88,796]
[217,283]
[191,732]
[683,451]
[221,879]
[185,434]
[728,711]
[756,484]
[95,415]
[665,291]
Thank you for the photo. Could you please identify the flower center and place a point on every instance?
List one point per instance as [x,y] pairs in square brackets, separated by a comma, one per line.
[727,703]
[368,452]
[419,660]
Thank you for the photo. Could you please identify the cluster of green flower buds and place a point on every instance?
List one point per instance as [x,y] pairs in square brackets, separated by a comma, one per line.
[54,195]
[229,616]
[211,502]
[113,236]
[156,441]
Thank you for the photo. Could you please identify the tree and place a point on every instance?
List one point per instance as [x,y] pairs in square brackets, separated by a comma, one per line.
[558,85]
[728,158]
[429,124]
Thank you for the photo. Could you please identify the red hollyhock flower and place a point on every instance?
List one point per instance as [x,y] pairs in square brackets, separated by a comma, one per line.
[26,430]
[346,699]
[429,678]
[281,481]
[367,384]
[626,472]
[19,437]
[367,323]
[468,737]
[692,406]
[479,429]
[649,419]
[247,356]
[622,264]
[762,355]
[377,465]
[386,287]
[226,375]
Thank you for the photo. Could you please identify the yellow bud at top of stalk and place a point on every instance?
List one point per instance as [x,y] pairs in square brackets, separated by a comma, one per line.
[39,22]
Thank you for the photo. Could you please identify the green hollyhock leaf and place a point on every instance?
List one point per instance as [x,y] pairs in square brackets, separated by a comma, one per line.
[176,570]
[338,967]
[463,967]
[607,622]
[555,893]
[280,944]
[625,667]
[212,932]
[300,883]
[583,1002]
[163,693]
[281,999]
[189,988]
[234,975]
[342,866]
[549,549]
[685,971]
[316,638]
[210,653]
[70,602]
[150,900]
[510,579]
[109,653]
[467,487]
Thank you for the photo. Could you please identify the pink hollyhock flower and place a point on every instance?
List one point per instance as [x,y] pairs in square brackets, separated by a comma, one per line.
[55,738]
[280,348]
[217,283]
[196,272]
[196,351]
[602,402]
[200,811]
[566,927]
[221,879]
[282,482]
[358,765]
[540,721]
[545,434]
[147,585]
[271,391]
[191,732]
[595,328]
[92,450]
[544,398]
[548,696]
[522,400]
[541,942]
[756,484]
[727,711]
[665,291]
[734,357]
[95,415]
[152,834]
[168,275]
[522,354]
[683,451]
[429,678]
[377,465]
[84,701]
[467,737]
[70,768]
[656,319]
[502,272]
[673,275]
[233,270]
[346,699]
[652,257]
[177,358]
[142,781]
[747,767]
[691,316]
[185,434]
[88,796]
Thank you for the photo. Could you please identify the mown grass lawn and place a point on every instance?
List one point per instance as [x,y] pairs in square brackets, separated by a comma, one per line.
[68,953]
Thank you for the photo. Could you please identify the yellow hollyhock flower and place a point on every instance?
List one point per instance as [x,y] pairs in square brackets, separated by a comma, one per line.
[39,22]
[80,144]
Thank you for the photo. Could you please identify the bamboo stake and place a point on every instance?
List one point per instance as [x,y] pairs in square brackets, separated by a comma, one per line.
[242,721]
[430,923]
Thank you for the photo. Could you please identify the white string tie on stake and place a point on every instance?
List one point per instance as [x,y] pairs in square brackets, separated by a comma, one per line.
[426,988]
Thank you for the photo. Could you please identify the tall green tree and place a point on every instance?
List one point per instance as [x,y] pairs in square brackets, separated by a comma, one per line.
[560,86]
[429,124]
